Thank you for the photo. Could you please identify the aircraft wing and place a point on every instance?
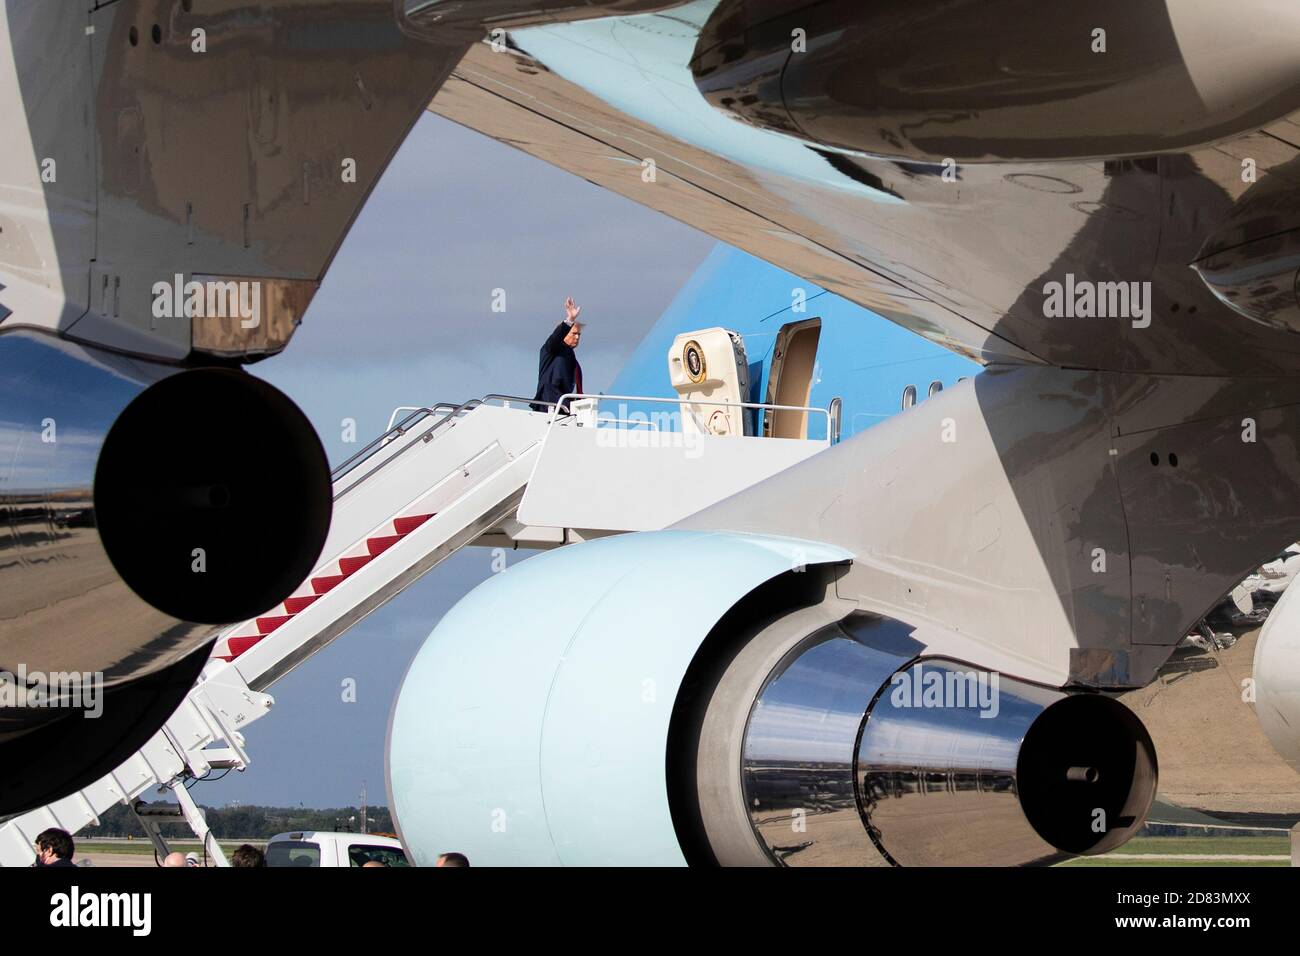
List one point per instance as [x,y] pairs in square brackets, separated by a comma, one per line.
[988,258]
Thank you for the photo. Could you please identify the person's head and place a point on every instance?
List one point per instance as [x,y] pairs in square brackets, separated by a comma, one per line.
[248,855]
[53,844]
[452,859]
[374,863]
[574,336]
[175,859]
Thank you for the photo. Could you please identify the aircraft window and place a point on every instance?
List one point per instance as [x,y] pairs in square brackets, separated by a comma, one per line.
[361,854]
[909,397]
[935,389]
[293,853]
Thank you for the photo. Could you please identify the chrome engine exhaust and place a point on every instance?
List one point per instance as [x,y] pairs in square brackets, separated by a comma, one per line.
[1000,772]
[855,747]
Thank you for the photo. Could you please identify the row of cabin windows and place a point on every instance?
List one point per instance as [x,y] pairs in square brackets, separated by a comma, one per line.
[909,393]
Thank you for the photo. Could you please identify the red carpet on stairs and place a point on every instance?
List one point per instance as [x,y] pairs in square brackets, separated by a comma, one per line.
[265,625]
[322,584]
[348,566]
[379,545]
[404,526]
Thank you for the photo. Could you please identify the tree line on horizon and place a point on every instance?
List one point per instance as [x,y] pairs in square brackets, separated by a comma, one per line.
[250,822]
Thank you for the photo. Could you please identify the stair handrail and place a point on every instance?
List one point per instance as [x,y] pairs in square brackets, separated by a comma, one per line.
[401,427]
[366,450]
[392,419]
[457,410]
[418,412]
[507,399]
[657,399]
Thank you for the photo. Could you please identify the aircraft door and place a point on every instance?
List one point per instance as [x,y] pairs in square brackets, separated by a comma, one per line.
[790,381]
[710,373]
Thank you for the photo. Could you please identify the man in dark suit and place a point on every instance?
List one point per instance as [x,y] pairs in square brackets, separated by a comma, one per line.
[54,847]
[558,371]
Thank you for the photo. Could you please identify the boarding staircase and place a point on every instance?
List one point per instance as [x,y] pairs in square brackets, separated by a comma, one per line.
[490,471]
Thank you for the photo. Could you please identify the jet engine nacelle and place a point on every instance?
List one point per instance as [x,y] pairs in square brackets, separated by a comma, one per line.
[1277,677]
[705,697]
[140,504]
[533,725]
[1002,80]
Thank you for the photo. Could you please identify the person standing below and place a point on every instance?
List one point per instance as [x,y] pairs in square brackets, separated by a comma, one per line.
[558,371]
[247,855]
[54,847]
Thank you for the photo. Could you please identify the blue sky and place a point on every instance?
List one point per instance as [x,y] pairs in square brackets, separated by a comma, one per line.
[404,317]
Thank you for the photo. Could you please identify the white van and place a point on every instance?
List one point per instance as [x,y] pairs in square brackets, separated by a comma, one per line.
[316,848]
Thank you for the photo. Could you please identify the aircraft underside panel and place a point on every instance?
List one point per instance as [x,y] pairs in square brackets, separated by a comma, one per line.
[1077,524]
[965,253]
[229,144]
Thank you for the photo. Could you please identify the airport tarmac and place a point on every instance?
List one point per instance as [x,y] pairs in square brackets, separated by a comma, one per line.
[1197,719]
[139,852]
[1212,754]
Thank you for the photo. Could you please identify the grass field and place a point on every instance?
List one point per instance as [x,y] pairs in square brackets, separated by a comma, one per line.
[1198,851]
[1194,851]
[143,847]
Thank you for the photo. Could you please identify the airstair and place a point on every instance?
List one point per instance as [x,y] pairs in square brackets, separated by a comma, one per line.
[492,472]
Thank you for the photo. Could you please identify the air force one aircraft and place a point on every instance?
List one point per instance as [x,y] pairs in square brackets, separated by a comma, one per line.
[1099,204]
